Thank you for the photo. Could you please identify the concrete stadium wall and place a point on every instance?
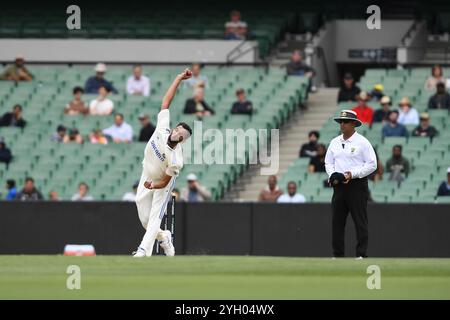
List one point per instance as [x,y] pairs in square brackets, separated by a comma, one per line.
[125,51]
[395,230]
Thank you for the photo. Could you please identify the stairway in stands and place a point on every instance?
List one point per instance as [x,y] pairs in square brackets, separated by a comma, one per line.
[292,135]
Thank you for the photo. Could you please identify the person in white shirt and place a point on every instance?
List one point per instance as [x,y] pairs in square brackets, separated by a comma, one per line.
[235,29]
[292,196]
[131,196]
[407,114]
[163,160]
[101,106]
[197,79]
[83,193]
[120,131]
[349,160]
[138,84]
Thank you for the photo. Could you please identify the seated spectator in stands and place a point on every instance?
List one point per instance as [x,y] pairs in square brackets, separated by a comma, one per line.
[147,128]
[291,196]
[392,128]
[29,191]
[176,194]
[242,105]
[349,90]
[297,67]
[17,71]
[424,129]
[131,195]
[377,175]
[364,111]
[271,193]
[95,82]
[397,165]
[441,99]
[76,106]
[60,134]
[101,106]
[13,118]
[5,153]
[53,196]
[197,105]
[97,136]
[194,192]
[382,114]
[408,115]
[74,136]
[197,79]
[309,149]
[377,92]
[83,193]
[12,190]
[120,131]
[435,78]
[444,187]
[317,163]
[138,84]
[235,29]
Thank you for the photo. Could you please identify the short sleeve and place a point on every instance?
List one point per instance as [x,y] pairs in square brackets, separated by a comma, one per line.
[163,122]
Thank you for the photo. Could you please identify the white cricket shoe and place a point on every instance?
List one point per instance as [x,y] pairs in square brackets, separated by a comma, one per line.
[139,253]
[167,244]
[359,258]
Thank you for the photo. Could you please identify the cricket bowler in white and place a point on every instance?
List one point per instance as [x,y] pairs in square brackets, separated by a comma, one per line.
[163,160]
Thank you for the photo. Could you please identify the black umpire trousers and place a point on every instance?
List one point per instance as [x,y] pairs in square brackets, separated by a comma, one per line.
[351,197]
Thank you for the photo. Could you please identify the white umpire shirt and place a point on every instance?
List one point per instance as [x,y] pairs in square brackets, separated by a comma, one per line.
[355,155]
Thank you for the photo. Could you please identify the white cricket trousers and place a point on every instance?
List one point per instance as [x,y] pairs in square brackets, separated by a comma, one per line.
[151,206]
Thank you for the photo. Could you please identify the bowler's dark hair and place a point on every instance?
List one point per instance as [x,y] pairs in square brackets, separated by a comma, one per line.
[186,127]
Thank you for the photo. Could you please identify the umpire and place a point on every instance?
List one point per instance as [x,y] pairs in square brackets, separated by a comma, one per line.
[349,160]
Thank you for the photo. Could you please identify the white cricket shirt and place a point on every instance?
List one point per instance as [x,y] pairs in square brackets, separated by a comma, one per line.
[159,158]
[355,154]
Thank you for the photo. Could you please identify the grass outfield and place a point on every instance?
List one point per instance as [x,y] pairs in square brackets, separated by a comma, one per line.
[219,277]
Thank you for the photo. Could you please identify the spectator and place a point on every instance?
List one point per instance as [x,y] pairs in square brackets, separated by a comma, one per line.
[292,196]
[377,175]
[176,194]
[138,84]
[296,67]
[94,83]
[194,191]
[441,99]
[53,196]
[382,114]
[83,193]
[393,128]
[5,153]
[101,106]
[397,165]
[363,111]
[377,92]
[60,134]
[97,137]
[197,79]
[436,76]
[147,128]
[76,106]
[13,118]
[407,115]
[424,129]
[309,150]
[17,71]
[73,136]
[271,193]
[242,105]
[235,29]
[444,187]
[349,90]
[197,104]
[29,191]
[317,163]
[131,195]
[120,131]
[12,190]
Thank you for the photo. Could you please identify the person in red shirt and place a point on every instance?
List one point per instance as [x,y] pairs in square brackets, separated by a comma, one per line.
[364,111]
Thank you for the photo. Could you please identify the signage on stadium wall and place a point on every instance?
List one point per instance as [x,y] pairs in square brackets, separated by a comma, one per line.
[382,54]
